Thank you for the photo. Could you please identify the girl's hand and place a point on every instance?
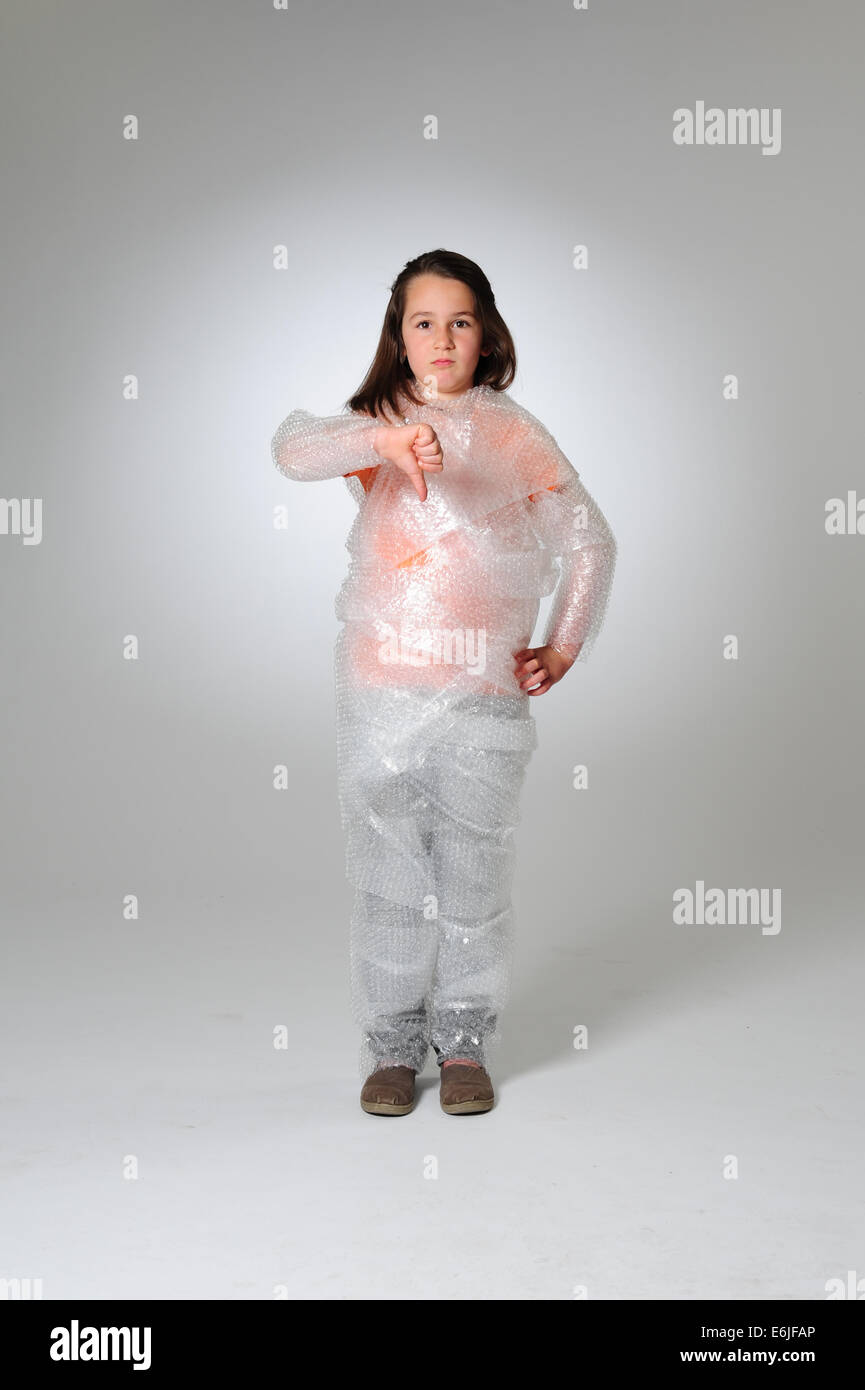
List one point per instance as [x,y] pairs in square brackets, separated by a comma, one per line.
[413,448]
[541,667]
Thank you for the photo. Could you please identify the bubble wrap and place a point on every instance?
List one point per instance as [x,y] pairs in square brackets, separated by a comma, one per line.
[434,734]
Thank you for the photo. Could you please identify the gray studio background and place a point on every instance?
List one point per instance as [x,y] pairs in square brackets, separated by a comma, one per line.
[154,1037]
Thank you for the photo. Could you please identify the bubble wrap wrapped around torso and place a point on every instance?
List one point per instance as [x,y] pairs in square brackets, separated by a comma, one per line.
[434,733]
[441,593]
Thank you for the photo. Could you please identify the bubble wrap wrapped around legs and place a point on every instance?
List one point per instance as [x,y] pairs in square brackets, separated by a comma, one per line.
[434,733]
[430,830]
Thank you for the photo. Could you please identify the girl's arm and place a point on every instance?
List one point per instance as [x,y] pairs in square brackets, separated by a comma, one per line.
[577,530]
[571,524]
[310,448]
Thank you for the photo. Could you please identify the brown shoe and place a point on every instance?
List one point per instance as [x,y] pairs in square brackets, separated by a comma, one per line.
[388,1091]
[465,1090]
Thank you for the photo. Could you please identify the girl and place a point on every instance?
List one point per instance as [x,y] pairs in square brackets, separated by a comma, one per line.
[468,514]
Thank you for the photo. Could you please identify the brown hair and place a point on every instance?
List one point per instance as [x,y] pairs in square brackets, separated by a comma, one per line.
[389,373]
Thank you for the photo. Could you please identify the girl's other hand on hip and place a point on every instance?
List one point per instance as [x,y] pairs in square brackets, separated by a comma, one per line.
[540,668]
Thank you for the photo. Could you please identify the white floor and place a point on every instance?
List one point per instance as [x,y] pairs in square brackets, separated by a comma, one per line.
[600,1170]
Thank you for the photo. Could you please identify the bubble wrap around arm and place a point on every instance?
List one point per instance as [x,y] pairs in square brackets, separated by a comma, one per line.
[311,448]
[572,526]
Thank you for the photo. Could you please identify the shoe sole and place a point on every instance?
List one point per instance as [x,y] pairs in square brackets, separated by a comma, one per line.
[380,1107]
[468,1107]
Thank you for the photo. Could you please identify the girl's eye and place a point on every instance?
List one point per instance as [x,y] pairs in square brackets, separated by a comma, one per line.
[423,322]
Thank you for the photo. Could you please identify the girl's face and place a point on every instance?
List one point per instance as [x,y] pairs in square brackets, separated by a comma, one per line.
[442,333]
